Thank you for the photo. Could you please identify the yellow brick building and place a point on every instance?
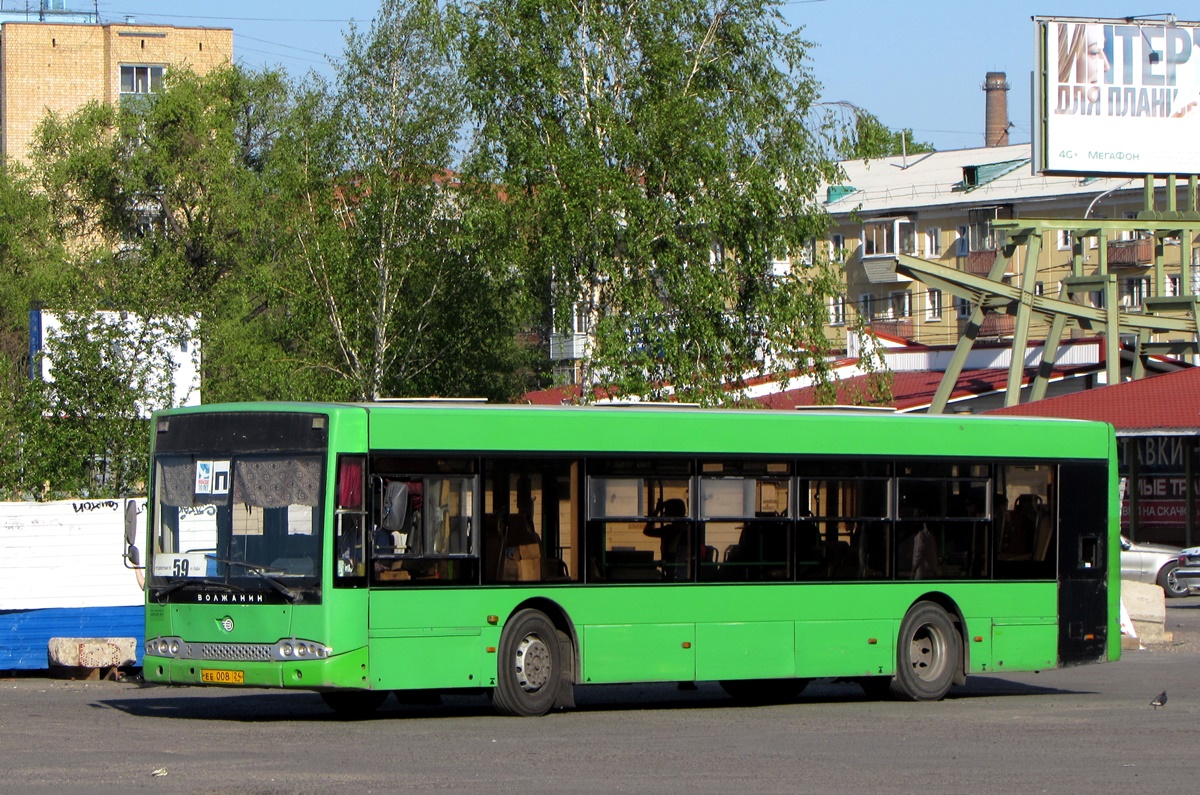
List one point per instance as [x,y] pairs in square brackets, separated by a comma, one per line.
[60,67]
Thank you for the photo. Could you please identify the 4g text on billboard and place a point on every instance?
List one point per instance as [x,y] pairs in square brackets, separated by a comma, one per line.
[1117,96]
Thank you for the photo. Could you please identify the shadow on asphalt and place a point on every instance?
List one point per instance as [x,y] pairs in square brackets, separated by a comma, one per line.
[162,701]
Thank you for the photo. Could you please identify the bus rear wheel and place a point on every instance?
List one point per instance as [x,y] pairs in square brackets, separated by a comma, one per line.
[764,691]
[529,666]
[927,654]
[354,703]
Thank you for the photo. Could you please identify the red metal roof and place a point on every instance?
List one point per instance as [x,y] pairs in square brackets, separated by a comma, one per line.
[1163,403]
[910,390]
[915,389]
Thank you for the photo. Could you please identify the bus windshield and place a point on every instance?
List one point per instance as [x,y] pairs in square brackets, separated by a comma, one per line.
[240,525]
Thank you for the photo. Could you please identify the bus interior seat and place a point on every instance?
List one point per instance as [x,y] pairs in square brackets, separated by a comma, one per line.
[810,552]
[759,554]
[513,550]
[1042,535]
[1022,528]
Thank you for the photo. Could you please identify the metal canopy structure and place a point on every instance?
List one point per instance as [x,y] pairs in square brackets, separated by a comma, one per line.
[1166,324]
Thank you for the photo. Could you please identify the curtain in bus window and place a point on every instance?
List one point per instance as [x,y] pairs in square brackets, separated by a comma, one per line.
[277,482]
[176,482]
[350,483]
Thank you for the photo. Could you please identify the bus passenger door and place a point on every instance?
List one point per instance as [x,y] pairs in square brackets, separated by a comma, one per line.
[1083,561]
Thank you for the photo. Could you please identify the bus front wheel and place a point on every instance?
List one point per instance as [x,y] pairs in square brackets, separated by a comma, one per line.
[529,666]
[927,654]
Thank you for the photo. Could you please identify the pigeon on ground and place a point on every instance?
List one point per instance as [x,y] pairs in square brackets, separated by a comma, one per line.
[1159,700]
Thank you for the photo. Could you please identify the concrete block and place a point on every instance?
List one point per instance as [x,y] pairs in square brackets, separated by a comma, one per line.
[1147,608]
[92,652]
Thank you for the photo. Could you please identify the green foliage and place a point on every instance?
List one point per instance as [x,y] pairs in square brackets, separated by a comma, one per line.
[871,139]
[88,423]
[473,177]
[657,158]
[398,301]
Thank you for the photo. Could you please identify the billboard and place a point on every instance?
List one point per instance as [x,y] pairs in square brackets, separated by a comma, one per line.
[1117,96]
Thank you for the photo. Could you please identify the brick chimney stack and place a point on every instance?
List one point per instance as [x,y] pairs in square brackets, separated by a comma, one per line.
[995,128]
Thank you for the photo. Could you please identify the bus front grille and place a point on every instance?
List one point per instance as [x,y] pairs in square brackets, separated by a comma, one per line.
[236,652]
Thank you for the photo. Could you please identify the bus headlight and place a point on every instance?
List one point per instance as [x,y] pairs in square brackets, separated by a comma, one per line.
[164,647]
[294,649]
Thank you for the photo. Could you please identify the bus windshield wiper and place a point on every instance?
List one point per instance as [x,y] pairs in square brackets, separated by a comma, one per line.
[167,590]
[261,571]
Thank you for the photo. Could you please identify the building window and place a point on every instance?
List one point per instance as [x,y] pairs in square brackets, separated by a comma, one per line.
[141,79]
[933,242]
[933,304]
[900,304]
[907,233]
[1133,290]
[865,306]
[1039,288]
[962,308]
[982,237]
[837,242]
[888,237]
[879,239]
[960,245]
[805,256]
[1064,240]
[837,310]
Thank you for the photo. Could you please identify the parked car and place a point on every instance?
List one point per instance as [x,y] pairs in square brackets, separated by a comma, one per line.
[1155,563]
[1188,572]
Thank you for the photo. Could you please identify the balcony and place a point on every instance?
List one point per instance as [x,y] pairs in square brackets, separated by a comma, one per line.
[994,325]
[1131,253]
[979,263]
[903,329]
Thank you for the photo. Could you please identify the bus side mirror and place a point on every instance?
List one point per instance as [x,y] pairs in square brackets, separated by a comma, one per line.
[131,522]
[133,558]
[132,555]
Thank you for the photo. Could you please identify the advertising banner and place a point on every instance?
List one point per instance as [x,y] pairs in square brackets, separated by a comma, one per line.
[1117,97]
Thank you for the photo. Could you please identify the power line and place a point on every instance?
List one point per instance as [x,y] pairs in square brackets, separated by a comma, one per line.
[280,44]
[230,19]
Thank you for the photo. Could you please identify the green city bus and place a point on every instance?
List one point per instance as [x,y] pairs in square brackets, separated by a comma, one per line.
[419,548]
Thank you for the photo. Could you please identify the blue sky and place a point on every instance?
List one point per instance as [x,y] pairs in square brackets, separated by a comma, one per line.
[916,64]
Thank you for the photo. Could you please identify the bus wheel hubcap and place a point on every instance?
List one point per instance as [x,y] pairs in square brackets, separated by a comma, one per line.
[533,663]
[926,653]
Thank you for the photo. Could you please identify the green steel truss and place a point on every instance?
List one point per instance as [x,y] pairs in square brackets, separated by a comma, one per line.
[1165,324]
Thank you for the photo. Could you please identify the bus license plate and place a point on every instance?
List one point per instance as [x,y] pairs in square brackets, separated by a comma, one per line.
[218,677]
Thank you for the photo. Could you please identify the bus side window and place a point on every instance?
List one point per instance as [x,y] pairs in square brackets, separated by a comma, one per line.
[1026,540]
[350,546]
[350,509]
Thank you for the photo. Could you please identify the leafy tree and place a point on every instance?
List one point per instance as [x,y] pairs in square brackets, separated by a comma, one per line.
[398,296]
[87,422]
[657,158]
[31,255]
[162,210]
[872,139]
[169,210]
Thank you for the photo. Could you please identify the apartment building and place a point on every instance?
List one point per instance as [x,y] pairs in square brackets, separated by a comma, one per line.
[50,66]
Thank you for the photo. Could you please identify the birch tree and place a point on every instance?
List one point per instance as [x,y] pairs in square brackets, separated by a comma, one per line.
[661,160]
[401,301]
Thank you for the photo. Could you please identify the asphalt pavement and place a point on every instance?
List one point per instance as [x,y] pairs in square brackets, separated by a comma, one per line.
[1085,729]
